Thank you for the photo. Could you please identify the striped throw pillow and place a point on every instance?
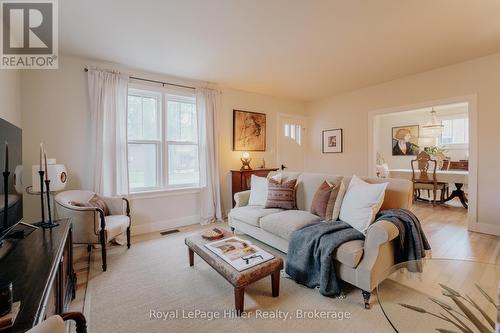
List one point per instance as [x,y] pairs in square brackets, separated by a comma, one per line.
[281,195]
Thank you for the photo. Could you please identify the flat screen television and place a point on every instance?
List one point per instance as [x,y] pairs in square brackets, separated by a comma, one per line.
[11,198]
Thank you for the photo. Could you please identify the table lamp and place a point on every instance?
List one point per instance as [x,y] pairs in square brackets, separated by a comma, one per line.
[245,161]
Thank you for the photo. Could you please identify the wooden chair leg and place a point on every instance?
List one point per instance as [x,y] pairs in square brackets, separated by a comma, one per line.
[103,249]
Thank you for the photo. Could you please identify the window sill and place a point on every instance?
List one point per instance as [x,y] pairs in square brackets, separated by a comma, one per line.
[152,194]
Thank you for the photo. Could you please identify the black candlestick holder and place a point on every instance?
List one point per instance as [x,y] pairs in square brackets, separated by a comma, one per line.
[50,223]
[41,174]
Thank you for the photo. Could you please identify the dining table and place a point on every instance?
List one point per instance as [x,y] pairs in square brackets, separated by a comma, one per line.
[457,177]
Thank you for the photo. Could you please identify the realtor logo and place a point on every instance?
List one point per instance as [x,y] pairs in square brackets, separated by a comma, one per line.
[29,34]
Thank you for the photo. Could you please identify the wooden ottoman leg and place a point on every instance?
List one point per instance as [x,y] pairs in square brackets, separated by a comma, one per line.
[275,283]
[239,296]
[191,257]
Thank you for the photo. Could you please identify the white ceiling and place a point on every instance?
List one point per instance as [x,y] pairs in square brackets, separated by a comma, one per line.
[299,49]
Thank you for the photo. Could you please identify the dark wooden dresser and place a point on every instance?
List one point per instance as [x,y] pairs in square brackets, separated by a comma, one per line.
[40,267]
[241,178]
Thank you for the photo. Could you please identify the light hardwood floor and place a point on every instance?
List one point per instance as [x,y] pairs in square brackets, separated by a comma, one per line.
[446,230]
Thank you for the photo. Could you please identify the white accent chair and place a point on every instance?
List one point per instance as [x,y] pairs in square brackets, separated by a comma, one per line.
[90,225]
[55,324]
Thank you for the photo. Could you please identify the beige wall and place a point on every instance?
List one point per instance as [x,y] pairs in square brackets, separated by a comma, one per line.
[350,112]
[10,96]
[56,111]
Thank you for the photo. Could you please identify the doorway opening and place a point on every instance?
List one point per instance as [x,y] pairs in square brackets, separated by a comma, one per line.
[445,131]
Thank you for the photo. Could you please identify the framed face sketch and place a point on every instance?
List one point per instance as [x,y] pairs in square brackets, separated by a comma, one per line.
[405,140]
[332,141]
[249,131]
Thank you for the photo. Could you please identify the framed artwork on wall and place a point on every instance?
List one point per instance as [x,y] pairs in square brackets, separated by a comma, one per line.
[249,131]
[405,140]
[332,141]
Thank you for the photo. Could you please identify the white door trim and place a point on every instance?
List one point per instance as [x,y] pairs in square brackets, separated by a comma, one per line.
[280,115]
[473,223]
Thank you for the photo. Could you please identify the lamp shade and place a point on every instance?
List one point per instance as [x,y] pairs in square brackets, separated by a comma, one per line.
[57,175]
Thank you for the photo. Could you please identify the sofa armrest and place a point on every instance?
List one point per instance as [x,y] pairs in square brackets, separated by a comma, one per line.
[380,232]
[241,198]
[378,236]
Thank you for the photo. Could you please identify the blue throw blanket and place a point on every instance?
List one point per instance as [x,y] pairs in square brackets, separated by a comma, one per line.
[412,240]
[309,259]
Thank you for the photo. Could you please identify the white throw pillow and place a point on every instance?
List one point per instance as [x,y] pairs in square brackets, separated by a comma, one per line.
[258,191]
[361,203]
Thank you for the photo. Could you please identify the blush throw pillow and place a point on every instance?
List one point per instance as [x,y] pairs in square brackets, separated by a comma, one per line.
[95,202]
[281,195]
[336,197]
[321,199]
[361,203]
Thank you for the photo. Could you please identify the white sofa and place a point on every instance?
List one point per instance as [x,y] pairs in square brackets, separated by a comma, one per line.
[360,263]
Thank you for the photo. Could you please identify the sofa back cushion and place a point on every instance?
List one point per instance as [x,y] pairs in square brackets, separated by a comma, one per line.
[308,183]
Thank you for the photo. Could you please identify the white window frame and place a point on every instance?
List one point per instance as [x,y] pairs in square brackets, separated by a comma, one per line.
[164,95]
[186,99]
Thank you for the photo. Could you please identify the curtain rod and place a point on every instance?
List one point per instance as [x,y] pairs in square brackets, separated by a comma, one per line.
[155,81]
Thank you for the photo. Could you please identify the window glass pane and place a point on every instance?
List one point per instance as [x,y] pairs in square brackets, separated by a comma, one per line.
[142,163]
[183,164]
[143,119]
[292,131]
[287,130]
[181,121]
[150,119]
[298,137]
[134,119]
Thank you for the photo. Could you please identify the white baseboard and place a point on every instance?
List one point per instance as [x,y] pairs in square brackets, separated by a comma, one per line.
[138,229]
[485,228]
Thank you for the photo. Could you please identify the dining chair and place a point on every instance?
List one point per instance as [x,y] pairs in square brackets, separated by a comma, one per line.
[424,178]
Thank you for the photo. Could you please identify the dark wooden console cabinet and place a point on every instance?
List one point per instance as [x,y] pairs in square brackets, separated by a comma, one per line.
[40,267]
[241,178]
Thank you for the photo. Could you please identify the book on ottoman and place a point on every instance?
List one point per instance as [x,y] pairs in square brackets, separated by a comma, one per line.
[239,253]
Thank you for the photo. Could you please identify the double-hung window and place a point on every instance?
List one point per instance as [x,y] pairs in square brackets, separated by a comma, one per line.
[162,140]
[456,131]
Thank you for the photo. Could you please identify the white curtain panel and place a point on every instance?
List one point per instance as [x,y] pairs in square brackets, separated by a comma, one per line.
[210,198]
[108,106]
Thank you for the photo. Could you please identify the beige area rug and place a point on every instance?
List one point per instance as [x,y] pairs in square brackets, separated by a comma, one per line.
[154,277]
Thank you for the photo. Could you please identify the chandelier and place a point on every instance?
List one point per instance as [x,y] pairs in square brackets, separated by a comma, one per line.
[433,128]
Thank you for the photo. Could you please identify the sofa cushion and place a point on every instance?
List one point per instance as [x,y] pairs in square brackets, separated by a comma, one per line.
[284,223]
[252,214]
[349,253]
[116,225]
